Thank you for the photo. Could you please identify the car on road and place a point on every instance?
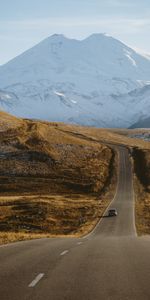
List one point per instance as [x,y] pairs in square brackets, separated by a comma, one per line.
[112,212]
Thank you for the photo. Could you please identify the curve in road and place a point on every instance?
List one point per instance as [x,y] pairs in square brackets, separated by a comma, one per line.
[110,263]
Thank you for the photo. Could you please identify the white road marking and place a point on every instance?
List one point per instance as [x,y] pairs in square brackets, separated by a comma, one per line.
[100,220]
[36,280]
[64,252]
[134,204]
[79,243]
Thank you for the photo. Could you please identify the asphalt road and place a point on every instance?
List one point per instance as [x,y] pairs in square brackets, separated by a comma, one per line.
[110,263]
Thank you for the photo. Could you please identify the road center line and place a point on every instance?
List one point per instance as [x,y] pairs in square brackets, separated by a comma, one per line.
[64,252]
[36,280]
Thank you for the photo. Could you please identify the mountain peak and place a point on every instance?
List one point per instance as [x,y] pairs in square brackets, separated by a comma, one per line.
[98,36]
[92,37]
[57,37]
[104,38]
[89,82]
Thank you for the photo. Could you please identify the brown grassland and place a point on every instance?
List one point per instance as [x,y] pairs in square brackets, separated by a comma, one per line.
[57,179]
[142,190]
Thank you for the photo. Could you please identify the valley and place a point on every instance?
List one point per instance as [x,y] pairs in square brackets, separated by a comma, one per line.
[74,150]
[57,179]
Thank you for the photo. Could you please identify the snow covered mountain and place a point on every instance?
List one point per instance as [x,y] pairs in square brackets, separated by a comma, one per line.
[97,81]
[144,123]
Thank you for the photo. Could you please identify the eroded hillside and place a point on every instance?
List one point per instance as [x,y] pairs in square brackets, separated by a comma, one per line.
[43,150]
[51,180]
[142,185]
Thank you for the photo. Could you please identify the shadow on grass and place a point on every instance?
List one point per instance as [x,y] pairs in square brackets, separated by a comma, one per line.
[107,216]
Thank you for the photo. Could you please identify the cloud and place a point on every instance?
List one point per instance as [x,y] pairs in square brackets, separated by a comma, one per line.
[119,3]
[37,24]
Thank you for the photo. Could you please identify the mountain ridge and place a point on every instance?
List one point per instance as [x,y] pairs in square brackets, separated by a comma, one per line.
[89,82]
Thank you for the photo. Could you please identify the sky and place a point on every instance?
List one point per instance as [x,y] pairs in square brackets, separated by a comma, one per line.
[24,23]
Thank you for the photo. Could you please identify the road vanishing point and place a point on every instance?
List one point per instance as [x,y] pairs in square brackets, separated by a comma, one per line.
[112,262]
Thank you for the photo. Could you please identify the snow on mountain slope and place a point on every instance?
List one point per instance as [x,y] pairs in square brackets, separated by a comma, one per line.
[138,104]
[142,123]
[88,82]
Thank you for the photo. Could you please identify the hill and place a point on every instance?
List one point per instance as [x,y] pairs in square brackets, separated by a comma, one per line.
[57,179]
[50,180]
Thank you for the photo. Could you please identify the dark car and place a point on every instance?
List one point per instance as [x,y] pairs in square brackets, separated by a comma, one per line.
[112,212]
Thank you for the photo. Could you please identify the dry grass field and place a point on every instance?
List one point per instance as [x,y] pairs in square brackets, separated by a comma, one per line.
[57,179]
[27,217]
[52,182]
[140,154]
[142,189]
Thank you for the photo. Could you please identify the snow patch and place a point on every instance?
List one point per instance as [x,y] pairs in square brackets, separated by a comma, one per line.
[73,101]
[59,94]
[4,96]
[128,54]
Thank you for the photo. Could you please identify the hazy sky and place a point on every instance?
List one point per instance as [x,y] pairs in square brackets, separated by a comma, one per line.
[23,23]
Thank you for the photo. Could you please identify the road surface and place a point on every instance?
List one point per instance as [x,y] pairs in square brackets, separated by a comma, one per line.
[110,263]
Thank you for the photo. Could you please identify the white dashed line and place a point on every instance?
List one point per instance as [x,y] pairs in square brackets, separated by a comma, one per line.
[100,220]
[64,252]
[36,280]
[79,243]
